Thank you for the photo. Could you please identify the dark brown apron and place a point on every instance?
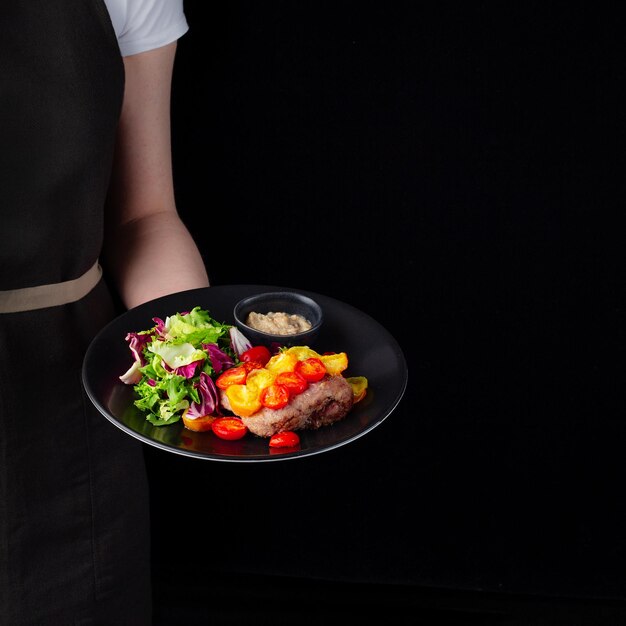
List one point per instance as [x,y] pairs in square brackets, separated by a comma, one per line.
[74,527]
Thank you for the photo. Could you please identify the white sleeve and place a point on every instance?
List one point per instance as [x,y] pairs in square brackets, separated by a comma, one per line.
[142,25]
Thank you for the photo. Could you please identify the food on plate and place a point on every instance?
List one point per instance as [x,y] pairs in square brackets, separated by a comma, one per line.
[298,389]
[278,322]
[256,354]
[199,424]
[294,382]
[175,363]
[193,368]
[323,403]
[311,369]
[285,439]
[359,387]
[229,428]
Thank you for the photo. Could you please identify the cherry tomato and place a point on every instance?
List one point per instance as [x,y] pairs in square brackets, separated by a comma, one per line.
[244,401]
[200,424]
[260,354]
[286,439]
[282,362]
[302,352]
[229,428]
[233,376]
[275,396]
[294,382]
[258,379]
[311,369]
[359,387]
[335,363]
[252,365]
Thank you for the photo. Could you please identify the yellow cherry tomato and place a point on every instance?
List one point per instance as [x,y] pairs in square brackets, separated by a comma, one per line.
[359,387]
[244,401]
[259,379]
[302,352]
[200,424]
[282,362]
[335,363]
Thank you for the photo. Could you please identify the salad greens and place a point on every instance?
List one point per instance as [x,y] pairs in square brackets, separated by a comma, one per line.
[175,364]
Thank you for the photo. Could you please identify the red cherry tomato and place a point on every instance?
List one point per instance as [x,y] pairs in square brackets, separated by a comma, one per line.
[294,382]
[233,376]
[286,439]
[311,369]
[229,428]
[260,354]
[275,396]
[252,365]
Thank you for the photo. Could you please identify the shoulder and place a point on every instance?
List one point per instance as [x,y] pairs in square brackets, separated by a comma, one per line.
[142,25]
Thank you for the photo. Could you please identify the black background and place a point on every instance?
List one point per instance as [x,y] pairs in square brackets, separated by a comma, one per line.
[455,171]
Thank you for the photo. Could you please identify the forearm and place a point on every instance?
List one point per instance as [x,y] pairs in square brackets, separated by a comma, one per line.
[148,251]
[151,257]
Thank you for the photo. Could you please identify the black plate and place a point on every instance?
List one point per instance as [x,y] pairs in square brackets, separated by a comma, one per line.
[371,350]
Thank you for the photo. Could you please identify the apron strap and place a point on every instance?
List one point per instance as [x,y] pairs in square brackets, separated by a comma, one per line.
[56,294]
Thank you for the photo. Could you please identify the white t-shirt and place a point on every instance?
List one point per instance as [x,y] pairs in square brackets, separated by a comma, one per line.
[142,25]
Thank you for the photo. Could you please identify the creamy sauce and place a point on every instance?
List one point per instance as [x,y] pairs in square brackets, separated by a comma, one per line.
[278,323]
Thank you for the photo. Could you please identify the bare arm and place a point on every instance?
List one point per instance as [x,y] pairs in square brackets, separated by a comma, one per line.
[148,250]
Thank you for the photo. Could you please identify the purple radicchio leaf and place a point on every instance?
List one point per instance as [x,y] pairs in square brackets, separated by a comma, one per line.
[208,398]
[219,359]
[136,343]
[160,327]
[188,371]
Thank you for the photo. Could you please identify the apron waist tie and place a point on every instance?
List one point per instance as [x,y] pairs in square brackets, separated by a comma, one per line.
[56,294]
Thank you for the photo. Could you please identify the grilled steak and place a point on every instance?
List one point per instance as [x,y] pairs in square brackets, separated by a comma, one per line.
[321,404]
